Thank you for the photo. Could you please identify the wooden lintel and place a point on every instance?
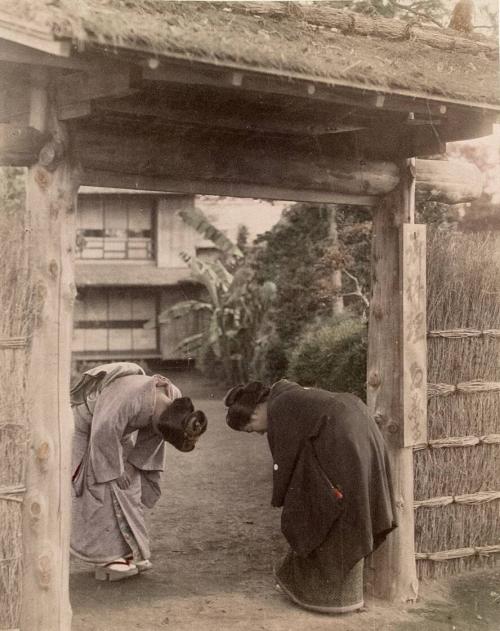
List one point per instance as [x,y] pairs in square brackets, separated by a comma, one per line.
[110,179]
[20,146]
[223,163]
[272,83]
[202,118]
[233,159]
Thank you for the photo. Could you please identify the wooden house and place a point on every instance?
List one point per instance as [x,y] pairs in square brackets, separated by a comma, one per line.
[258,99]
[129,268]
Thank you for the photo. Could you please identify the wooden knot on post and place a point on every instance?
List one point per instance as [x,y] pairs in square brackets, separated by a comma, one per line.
[53,269]
[42,178]
[392,427]
[51,154]
[44,571]
[378,312]
[42,454]
[36,510]
[374,379]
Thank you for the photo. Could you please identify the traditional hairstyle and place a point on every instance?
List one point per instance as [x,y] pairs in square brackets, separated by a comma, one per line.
[242,400]
[181,425]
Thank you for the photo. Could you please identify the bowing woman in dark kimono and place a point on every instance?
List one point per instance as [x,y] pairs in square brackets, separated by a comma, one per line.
[331,476]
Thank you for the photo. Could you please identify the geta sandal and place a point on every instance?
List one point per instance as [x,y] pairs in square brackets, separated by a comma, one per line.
[116,570]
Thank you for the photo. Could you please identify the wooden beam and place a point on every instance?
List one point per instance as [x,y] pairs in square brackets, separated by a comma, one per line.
[448,181]
[255,165]
[20,146]
[111,179]
[289,84]
[393,569]
[51,202]
[234,159]
[214,119]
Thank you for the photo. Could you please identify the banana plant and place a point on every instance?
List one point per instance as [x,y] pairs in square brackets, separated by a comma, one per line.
[234,304]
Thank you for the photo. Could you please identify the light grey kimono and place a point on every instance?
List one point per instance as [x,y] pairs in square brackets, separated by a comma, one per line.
[112,408]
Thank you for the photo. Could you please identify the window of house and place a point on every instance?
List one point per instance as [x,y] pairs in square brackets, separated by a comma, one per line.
[115,227]
[111,321]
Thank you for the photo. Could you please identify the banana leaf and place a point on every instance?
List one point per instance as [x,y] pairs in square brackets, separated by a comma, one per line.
[195,218]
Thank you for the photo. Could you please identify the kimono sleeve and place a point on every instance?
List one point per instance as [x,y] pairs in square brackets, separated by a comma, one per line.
[148,453]
[114,409]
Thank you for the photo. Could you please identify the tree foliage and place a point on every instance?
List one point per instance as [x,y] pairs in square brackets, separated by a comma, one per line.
[300,256]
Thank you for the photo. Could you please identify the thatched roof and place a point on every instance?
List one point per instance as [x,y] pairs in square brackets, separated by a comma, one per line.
[319,42]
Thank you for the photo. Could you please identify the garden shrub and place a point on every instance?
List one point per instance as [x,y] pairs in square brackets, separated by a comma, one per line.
[332,355]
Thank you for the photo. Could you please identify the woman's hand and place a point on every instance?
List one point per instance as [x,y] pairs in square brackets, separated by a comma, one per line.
[123,481]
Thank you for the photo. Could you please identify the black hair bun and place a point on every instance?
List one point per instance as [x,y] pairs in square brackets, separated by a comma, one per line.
[233,394]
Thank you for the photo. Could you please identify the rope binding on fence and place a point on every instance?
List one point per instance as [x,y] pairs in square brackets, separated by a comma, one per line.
[13,342]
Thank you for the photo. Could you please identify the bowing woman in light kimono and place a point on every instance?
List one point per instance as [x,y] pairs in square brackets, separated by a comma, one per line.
[122,420]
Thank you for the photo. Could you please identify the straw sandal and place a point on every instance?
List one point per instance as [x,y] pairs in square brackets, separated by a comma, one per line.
[116,570]
[142,566]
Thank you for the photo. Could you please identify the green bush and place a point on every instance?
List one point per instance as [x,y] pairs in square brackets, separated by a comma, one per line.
[332,356]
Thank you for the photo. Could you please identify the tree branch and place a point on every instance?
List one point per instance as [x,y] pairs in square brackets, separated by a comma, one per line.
[418,14]
[358,292]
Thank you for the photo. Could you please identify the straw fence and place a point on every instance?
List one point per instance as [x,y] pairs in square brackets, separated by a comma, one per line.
[15,324]
[457,473]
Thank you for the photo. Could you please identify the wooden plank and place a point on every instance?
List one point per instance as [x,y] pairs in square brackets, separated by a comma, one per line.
[102,178]
[51,202]
[392,570]
[241,78]
[214,119]
[413,336]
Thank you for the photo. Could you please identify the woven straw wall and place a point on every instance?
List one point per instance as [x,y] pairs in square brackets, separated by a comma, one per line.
[463,293]
[15,323]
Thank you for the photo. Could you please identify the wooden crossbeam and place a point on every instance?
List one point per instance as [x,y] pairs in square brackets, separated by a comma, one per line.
[215,119]
[250,165]
[20,146]
[274,82]
[233,160]
[103,178]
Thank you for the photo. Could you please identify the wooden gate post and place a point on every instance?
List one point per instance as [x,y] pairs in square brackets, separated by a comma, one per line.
[50,204]
[397,374]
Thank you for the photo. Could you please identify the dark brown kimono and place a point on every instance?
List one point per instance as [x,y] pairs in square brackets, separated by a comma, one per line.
[331,476]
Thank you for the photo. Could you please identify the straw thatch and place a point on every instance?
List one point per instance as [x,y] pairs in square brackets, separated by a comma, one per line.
[463,461]
[342,46]
[15,326]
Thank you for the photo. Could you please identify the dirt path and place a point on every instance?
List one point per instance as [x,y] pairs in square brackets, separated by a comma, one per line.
[215,539]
